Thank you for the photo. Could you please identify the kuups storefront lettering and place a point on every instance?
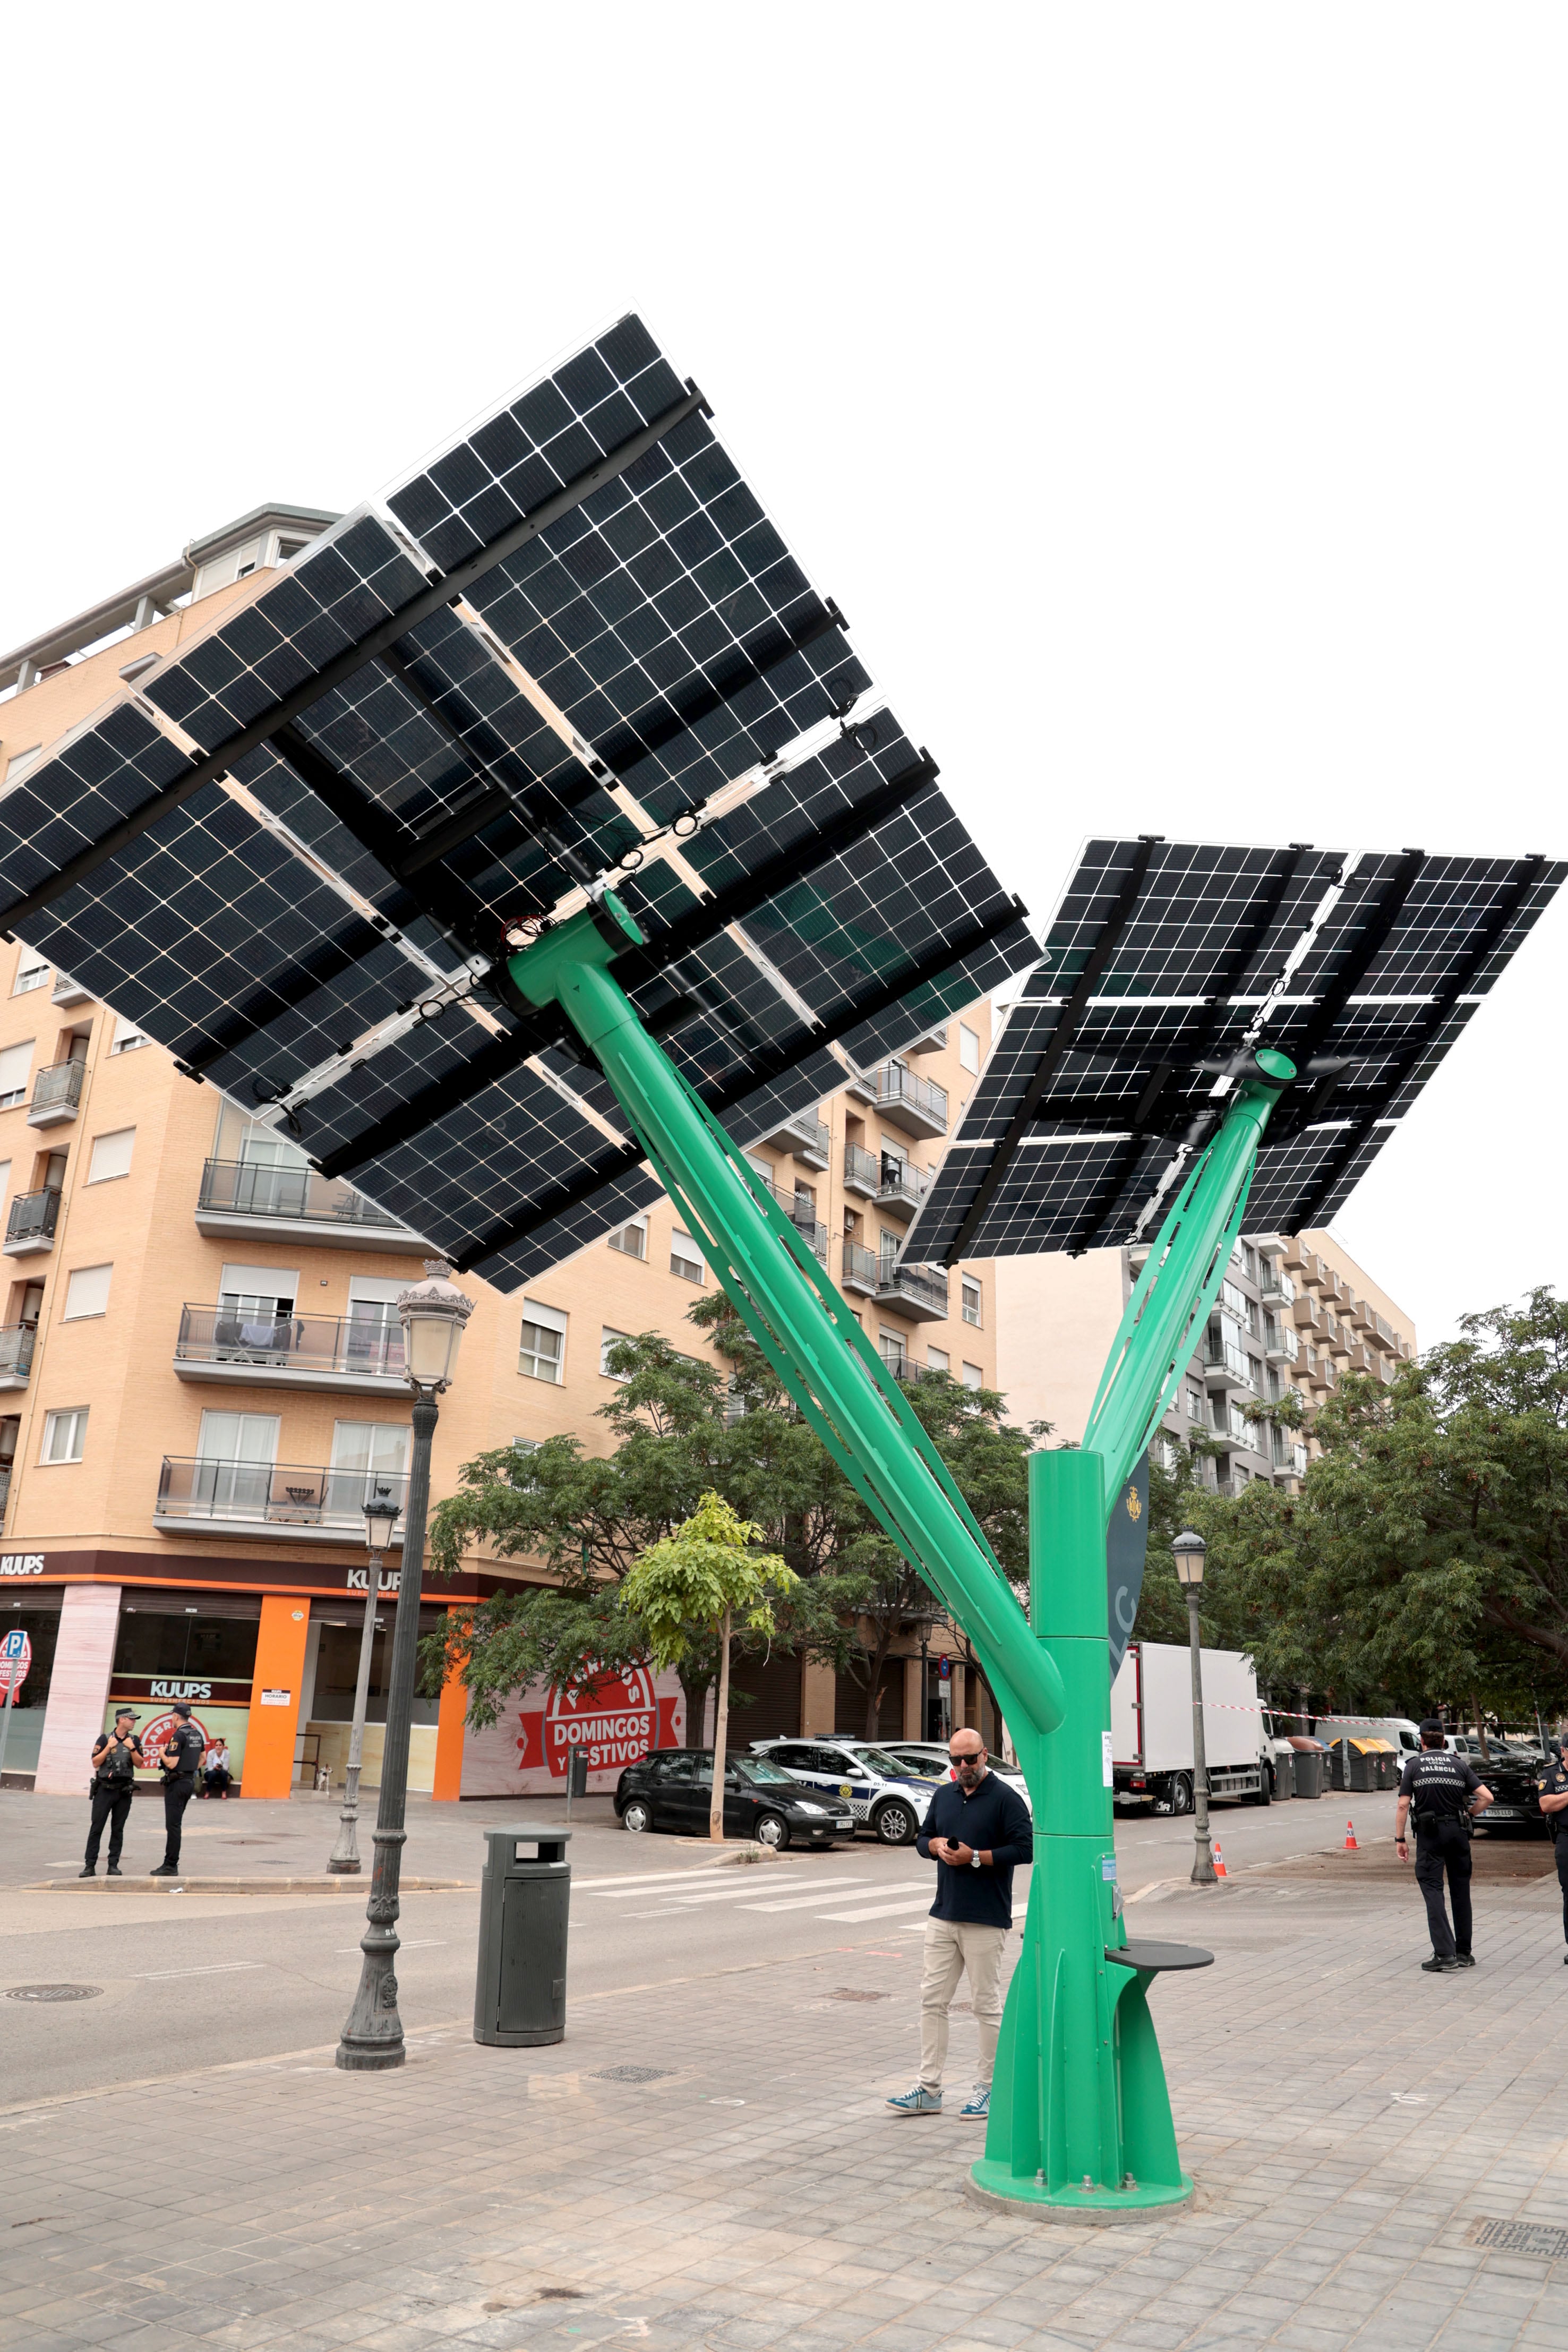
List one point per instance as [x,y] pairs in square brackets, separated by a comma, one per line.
[22,1563]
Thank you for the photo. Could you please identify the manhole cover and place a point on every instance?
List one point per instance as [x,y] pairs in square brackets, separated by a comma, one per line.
[631,2073]
[846,1992]
[54,1992]
[1541,2238]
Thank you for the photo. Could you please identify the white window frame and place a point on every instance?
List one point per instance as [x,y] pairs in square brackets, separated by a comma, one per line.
[937,1359]
[23,1050]
[607,1338]
[110,1175]
[687,1262]
[127,1036]
[31,972]
[17,765]
[969,1290]
[974,1378]
[69,1314]
[70,1420]
[638,1226]
[538,1317]
[968,1048]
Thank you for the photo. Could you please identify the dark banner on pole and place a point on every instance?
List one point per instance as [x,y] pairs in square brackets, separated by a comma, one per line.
[1126,1542]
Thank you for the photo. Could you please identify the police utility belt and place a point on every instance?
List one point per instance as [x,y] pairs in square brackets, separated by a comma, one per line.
[1420,1820]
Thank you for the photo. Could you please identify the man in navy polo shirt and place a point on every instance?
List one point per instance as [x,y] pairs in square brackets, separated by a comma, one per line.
[976,1831]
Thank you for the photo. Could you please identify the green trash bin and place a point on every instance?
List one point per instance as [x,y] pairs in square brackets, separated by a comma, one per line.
[520,2001]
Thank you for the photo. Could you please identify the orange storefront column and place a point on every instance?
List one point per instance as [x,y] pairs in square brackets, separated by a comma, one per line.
[268,1769]
[449,1735]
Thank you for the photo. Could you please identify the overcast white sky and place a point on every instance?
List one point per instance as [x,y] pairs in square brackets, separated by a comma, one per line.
[1173,398]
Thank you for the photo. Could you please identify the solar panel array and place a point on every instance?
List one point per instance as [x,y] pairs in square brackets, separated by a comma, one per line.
[1167,956]
[541,657]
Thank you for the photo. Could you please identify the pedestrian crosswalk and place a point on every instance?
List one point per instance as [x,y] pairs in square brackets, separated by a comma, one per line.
[845,1902]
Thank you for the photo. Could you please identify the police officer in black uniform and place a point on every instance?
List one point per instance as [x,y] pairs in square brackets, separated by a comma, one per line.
[1553,1787]
[180,1759]
[1443,1793]
[115,1757]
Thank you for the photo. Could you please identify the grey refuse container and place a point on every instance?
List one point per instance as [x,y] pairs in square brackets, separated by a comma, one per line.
[519,2001]
[1307,1771]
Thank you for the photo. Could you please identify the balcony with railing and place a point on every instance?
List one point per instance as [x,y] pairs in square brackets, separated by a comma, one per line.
[360,1356]
[1282,1343]
[912,1102]
[912,1290]
[862,1171]
[860,1269]
[57,1094]
[901,1189]
[805,1137]
[272,1203]
[31,1222]
[307,1504]
[1276,1287]
[16,1343]
[4,1489]
[67,991]
[1226,1365]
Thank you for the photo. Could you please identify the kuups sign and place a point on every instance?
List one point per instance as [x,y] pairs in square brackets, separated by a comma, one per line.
[613,1720]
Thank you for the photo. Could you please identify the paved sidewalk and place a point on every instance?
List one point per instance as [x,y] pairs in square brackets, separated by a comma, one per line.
[1353,2124]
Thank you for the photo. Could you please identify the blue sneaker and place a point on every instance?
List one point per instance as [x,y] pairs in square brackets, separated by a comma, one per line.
[977,2104]
[918,2102]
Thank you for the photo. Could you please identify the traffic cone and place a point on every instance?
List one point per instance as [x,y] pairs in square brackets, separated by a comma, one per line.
[1350,1844]
[1219,1869]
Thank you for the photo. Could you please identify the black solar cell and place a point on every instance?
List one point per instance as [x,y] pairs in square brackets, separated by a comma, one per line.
[573,644]
[1164,957]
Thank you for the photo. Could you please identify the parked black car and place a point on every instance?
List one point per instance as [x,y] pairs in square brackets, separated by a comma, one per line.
[672,1789]
[1512,1774]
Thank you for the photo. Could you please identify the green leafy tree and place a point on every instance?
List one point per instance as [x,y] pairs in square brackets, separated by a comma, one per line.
[1425,1557]
[691,1586]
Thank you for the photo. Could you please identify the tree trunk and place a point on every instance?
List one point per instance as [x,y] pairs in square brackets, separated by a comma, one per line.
[720,1731]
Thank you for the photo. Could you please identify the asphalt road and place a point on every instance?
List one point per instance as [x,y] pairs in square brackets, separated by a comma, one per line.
[193,1980]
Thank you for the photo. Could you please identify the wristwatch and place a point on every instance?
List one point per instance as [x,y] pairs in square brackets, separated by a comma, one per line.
[974,1859]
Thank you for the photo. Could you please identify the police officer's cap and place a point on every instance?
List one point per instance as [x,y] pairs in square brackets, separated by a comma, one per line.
[183,1710]
[1432,1729]
[130,1711]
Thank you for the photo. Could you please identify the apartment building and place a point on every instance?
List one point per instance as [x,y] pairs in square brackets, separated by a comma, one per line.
[201,1363]
[1294,1314]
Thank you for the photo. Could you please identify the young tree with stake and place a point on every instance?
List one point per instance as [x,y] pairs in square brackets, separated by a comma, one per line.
[695,1584]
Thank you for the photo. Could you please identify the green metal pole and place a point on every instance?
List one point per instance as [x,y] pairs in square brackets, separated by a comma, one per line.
[1080,2114]
[792,1310]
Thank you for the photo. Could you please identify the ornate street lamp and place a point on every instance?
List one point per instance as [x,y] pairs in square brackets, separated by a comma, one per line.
[1190,1554]
[433,1315]
[381,1508]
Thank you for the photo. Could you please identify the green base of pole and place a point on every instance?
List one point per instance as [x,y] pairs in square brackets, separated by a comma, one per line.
[993,2187]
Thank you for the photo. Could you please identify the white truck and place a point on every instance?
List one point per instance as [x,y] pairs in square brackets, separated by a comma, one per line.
[1151,1728]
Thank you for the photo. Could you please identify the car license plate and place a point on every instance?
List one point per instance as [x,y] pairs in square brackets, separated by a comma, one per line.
[1506,1812]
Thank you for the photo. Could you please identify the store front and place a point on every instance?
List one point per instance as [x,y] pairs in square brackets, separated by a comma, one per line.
[36,1614]
[264,1652]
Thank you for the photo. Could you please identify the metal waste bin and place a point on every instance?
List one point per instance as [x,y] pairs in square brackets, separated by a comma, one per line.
[1307,1771]
[519,2001]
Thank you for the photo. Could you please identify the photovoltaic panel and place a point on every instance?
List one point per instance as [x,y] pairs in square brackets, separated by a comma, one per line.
[1165,959]
[572,647]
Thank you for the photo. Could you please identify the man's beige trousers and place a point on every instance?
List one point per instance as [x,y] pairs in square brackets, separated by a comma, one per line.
[952,1948]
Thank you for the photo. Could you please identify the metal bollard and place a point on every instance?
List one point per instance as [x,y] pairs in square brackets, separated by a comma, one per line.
[519,1999]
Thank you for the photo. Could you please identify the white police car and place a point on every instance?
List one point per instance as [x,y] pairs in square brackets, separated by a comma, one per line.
[934,1763]
[881,1792]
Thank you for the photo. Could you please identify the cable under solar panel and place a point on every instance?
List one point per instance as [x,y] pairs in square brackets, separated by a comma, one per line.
[1164,959]
[573,646]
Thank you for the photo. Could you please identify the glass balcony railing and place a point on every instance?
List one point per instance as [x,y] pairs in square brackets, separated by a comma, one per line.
[271,1494]
[4,1488]
[251,1188]
[861,1266]
[901,1186]
[1227,1359]
[16,1343]
[351,1345]
[33,1216]
[863,1170]
[896,1087]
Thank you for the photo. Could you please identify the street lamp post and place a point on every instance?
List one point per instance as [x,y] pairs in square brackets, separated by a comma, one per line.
[1190,1553]
[433,1315]
[381,1510]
